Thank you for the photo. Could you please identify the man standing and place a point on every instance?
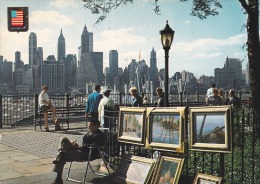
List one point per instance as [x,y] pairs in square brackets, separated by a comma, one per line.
[93,102]
[106,104]
[159,93]
[71,151]
[46,105]
[233,99]
[210,91]
[137,100]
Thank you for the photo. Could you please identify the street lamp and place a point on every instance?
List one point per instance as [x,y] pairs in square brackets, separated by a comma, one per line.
[166,37]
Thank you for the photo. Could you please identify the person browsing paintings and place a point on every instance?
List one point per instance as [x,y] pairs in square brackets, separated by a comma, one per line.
[233,99]
[46,105]
[159,93]
[137,100]
[93,102]
[215,99]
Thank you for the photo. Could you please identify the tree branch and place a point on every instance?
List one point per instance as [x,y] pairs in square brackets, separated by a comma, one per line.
[244,5]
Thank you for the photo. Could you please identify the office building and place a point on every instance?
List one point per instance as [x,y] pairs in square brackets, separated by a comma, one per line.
[61,47]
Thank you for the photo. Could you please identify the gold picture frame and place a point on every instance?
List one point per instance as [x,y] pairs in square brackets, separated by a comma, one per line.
[207,179]
[169,170]
[135,170]
[132,123]
[165,130]
[210,129]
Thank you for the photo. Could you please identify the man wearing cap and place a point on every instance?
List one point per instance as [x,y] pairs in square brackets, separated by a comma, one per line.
[106,104]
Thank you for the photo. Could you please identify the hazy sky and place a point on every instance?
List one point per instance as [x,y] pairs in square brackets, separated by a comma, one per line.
[199,46]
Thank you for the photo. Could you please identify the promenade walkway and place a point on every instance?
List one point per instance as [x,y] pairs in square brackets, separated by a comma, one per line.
[26,156]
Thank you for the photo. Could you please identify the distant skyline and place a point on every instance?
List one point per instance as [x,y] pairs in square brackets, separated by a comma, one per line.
[199,46]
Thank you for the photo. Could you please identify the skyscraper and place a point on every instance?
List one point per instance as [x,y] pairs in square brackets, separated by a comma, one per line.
[153,71]
[86,41]
[61,47]
[53,74]
[32,49]
[113,63]
[90,66]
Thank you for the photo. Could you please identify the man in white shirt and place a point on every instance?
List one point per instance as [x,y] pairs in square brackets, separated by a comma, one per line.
[46,105]
[105,103]
[210,91]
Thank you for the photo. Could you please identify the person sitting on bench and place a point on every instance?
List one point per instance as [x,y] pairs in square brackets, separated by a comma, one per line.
[71,151]
[46,105]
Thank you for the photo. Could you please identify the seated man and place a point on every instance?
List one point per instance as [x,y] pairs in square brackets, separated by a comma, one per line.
[71,151]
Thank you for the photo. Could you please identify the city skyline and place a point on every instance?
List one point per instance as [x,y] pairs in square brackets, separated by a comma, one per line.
[196,43]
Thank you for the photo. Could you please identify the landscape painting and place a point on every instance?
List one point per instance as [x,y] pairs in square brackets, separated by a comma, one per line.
[135,170]
[210,128]
[131,125]
[165,129]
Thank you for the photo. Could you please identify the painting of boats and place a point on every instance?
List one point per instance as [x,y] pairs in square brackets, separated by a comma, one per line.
[210,129]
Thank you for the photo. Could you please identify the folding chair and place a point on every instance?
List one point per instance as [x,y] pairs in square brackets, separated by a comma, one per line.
[101,155]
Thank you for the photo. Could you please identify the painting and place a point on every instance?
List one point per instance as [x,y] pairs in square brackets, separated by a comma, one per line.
[169,170]
[165,128]
[207,179]
[210,128]
[132,125]
[136,170]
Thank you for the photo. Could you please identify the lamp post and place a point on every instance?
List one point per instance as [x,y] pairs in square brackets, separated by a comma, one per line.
[166,37]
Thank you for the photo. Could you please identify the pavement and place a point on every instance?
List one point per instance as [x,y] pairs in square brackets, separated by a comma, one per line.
[26,156]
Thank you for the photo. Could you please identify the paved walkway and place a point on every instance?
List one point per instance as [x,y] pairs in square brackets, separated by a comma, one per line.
[26,156]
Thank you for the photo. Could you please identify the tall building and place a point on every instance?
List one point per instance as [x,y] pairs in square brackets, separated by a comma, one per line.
[230,76]
[61,47]
[90,66]
[113,64]
[70,72]
[32,49]
[7,72]
[53,73]
[24,79]
[153,71]
[86,41]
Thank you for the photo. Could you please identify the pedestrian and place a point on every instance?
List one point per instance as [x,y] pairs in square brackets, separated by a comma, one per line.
[215,99]
[210,91]
[160,100]
[233,99]
[105,106]
[221,94]
[137,100]
[46,105]
[93,102]
[70,151]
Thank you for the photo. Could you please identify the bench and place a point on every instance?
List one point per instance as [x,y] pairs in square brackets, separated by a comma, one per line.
[66,114]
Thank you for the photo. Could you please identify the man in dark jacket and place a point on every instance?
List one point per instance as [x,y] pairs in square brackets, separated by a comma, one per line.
[93,102]
[233,99]
[71,151]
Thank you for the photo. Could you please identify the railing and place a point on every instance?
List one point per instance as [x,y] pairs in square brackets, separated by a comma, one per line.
[240,166]
[19,109]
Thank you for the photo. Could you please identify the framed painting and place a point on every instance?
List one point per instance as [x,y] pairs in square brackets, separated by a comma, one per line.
[210,129]
[169,170]
[135,170]
[165,128]
[132,122]
[207,179]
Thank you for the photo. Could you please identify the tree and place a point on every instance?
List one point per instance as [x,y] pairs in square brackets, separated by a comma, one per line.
[202,9]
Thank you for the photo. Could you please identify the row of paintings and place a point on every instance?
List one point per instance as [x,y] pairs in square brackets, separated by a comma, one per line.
[139,170]
[163,128]
[164,170]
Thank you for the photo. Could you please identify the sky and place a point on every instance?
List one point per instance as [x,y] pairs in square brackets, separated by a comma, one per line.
[199,46]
